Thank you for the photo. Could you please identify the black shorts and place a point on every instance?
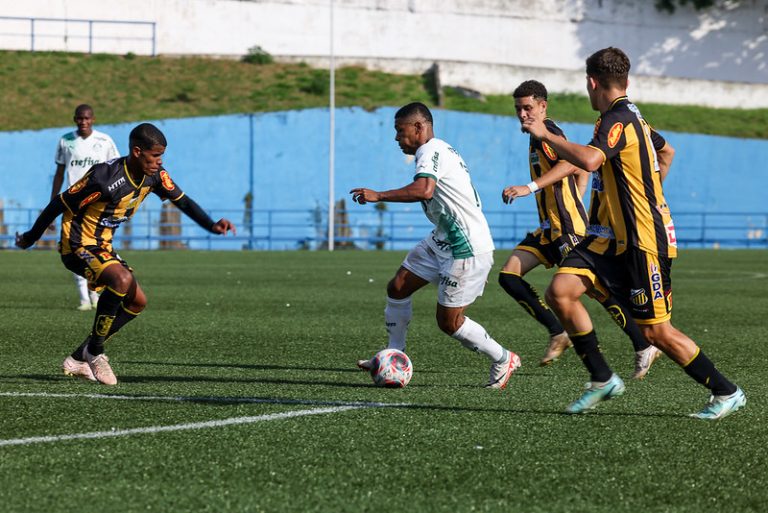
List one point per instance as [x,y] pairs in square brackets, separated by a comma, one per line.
[549,253]
[638,280]
[90,261]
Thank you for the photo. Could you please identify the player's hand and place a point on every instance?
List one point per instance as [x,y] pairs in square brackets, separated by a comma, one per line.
[363,196]
[535,127]
[222,226]
[514,191]
[22,242]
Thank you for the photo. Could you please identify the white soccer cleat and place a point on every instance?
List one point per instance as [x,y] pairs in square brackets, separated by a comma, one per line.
[72,367]
[502,371]
[643,361]
[720,406]
[84,306]
[101,369]
[365,365]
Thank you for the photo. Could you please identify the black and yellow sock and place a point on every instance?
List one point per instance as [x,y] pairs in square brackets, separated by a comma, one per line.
[522,292]
[704,372]
[106,311]
[123,317]
[624,320]
[588,349]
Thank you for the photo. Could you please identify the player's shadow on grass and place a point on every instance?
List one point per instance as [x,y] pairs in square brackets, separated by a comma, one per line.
[351,368]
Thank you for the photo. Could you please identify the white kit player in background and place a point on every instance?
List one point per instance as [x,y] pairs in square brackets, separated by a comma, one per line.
[457,256]
[76,152]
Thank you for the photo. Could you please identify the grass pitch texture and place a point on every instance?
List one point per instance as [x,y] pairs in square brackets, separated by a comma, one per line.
[238,392]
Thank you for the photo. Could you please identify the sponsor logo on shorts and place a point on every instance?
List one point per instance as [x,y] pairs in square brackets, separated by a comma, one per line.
[600,231]
[78,186]
[105,256]
[84,256]
[638,297]
[656,282]
[564,250]
[448,282]
[168,184]
[90,199]
[614,134]
[551,154]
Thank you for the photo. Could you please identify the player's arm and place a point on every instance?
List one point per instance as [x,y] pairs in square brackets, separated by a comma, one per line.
[582,179]
[664,153]
[420,189]
[53,210]
[58,179]
[559,171]
[585,157]
[198,215]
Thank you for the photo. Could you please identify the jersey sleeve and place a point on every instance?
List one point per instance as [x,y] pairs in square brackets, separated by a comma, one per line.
[60,158]
[165,187]
[83,192]
[609,135]
[112,152]
[428,165]
[658,140]
[549,152]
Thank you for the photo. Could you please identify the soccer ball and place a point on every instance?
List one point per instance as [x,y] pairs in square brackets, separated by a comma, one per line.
[391,368]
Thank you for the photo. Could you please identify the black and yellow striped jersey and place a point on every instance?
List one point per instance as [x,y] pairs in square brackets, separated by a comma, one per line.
[627,205]
[103,199]
[561,210]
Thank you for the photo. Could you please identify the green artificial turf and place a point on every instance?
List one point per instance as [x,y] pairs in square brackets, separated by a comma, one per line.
[229,335]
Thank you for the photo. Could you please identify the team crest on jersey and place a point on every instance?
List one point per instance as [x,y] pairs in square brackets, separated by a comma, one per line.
[656,282]
[614,134]
[78,186]
[551,154]
[168,184]
[90,199]
[638,297]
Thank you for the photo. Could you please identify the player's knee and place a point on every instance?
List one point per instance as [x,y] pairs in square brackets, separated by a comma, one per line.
[448,323]
[138,303]
[512,283]
[120,282]
[396,289]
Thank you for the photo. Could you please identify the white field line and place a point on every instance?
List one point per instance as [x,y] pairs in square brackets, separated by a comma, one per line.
[178,427]
[333,407]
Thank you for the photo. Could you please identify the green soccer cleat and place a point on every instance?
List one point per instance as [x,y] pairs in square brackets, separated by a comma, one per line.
[595,393]
[720,406]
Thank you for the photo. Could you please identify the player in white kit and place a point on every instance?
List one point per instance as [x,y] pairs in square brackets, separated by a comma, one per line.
[76,152]
[457,256]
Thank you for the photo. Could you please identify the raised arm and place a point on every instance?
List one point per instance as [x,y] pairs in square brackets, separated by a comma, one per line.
[420,189]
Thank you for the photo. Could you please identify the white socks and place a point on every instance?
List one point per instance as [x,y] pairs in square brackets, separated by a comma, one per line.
[475,338]
[82,288]
[397,316]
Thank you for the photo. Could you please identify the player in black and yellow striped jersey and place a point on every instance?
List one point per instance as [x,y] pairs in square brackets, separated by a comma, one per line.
[630,242]
[559,187]
[94,207]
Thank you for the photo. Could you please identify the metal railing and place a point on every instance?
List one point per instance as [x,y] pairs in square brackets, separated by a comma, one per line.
[286,229]
[36,29]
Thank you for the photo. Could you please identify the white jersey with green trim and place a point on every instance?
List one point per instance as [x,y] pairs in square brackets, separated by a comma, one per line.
[78,154]
[455,208]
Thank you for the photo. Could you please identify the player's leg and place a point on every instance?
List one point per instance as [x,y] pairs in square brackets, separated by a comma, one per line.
[82,292]
[653,274]
[645,353]
[511,280]
[461,282]
[416,271]
[572,281]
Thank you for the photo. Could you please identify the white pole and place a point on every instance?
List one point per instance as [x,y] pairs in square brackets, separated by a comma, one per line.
[331,143]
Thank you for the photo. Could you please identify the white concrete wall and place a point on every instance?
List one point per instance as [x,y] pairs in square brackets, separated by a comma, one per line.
[717,58]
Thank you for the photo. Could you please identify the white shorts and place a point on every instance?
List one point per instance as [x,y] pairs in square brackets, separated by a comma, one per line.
[459,281]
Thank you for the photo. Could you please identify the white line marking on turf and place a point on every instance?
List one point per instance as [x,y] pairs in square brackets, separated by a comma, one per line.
[177,427]
[205,399]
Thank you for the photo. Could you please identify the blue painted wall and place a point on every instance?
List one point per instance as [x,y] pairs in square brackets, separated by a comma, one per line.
[285,155]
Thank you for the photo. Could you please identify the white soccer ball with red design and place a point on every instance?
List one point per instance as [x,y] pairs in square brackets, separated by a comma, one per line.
[391,368]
